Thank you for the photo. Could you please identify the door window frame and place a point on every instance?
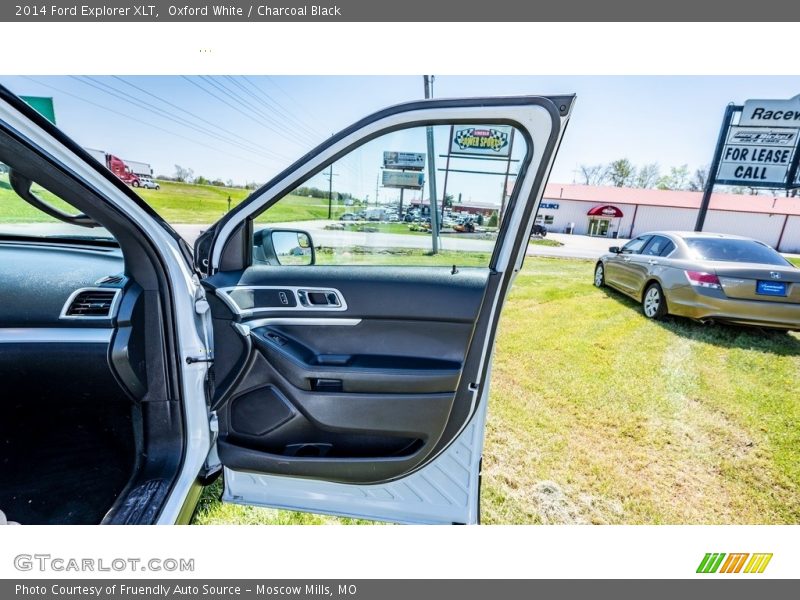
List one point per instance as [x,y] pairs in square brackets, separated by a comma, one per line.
[510,200]
[236,227]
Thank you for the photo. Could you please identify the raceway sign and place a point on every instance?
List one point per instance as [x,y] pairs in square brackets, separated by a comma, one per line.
[761,151]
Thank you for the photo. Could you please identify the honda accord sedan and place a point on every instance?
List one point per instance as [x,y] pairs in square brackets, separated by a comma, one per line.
[705,276]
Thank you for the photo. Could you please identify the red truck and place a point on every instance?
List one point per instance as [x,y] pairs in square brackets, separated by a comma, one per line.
[115,165]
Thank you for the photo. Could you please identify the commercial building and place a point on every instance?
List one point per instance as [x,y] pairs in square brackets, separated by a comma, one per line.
[627,212]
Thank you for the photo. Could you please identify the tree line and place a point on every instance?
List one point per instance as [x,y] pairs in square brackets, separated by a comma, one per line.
[623,173]
[186,175]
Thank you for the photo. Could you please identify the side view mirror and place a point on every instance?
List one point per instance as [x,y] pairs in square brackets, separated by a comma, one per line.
[284,247]
[615,250]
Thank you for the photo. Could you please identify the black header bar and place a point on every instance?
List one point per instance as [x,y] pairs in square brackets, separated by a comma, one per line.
[410,11]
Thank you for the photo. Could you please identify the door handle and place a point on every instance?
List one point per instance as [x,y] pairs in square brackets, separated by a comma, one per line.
[320,298]
[652,262]
[627,259]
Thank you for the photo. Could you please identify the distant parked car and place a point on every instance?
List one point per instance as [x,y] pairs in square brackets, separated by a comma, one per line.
[148,183]
[348,217]
[539,230]
[705,276]
[465,225]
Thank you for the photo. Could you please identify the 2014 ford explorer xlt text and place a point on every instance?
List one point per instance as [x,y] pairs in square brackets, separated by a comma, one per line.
[136,369]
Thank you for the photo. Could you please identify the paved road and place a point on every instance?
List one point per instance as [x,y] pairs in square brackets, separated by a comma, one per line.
[575,246]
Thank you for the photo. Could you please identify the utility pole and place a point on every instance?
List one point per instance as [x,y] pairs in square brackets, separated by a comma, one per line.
[428,80]
[331,175]
[708,189]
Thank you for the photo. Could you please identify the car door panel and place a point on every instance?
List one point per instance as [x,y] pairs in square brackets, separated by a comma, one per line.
[371,292]
[312,370]
[647,264]
[627,267]
[613,270]
[321,394]
[373,405]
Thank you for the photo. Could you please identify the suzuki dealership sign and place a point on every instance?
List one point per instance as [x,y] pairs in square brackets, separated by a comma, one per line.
[761,151]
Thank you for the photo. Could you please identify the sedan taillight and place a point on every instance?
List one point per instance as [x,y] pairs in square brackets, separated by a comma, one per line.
[706,280]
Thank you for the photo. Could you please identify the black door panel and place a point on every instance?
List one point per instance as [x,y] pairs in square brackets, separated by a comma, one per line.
[443,340]
[359,394]
[430,293]
[312,370]
[271,426]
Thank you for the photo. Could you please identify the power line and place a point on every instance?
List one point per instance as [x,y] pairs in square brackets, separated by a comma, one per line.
[278,107]
[221,87]
[196,116]
[283,90]
[259,113]
[147,106]
[233,106]
[136,119]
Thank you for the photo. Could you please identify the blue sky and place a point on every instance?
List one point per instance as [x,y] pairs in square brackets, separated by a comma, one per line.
[273,120]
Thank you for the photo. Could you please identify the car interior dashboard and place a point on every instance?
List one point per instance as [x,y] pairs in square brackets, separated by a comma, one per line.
[68,418]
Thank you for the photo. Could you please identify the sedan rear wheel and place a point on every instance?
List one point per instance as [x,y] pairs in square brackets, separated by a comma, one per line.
[654,303]
[599,275]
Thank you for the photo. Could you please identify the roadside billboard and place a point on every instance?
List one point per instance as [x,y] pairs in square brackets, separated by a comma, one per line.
[409,180]
[412,161]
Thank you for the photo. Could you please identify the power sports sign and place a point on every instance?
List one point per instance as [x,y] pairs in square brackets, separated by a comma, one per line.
[762,149]
[492,140]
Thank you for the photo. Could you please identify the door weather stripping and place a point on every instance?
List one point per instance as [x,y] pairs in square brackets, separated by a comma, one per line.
[202,308]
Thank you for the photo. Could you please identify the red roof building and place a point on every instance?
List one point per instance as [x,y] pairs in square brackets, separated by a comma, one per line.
[627,212]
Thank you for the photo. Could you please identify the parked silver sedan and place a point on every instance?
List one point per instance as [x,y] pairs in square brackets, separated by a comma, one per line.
[705,276]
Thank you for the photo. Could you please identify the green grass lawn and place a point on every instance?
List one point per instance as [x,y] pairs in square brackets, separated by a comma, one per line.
[544,242]
[400,257]
[14,209]
[598,415]
[376,227]
[185,203]
[177,203]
